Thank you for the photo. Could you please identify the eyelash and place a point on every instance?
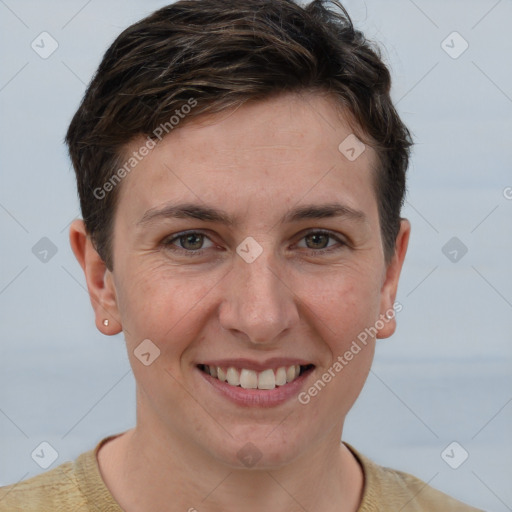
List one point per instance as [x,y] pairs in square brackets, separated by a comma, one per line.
[168,243]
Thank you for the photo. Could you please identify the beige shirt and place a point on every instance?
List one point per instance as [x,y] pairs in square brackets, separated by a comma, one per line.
[78,487]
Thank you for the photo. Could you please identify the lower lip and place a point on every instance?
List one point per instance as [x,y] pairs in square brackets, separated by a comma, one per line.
[257,397]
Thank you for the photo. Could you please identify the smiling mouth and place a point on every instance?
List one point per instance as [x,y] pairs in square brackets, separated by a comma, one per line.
[250,379]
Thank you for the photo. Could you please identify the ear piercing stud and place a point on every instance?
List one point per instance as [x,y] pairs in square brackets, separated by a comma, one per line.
[105,322]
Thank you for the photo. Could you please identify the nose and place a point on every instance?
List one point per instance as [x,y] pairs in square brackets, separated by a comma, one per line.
[258,302]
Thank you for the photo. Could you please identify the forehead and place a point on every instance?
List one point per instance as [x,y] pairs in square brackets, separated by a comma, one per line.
[276,152]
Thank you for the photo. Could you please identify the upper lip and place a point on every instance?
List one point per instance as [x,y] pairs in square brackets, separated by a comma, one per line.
[257,366]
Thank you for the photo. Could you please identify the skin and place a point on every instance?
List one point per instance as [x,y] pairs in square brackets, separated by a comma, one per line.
[257,163]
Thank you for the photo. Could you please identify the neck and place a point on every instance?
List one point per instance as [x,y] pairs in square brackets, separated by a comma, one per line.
[159,473]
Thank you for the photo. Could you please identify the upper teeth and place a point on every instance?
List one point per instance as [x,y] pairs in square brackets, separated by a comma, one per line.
[249,379]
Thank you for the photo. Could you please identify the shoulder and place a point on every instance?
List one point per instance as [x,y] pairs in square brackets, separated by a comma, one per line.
[73,486]
[55,490]
[387,489]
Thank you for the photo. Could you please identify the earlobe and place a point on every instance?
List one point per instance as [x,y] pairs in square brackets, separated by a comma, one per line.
[99,282]
[387,319]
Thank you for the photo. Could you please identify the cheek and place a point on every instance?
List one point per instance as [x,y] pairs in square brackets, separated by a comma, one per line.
[163,305]
[344,303]
[343,309]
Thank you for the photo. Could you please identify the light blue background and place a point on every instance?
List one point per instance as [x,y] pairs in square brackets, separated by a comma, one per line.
[444,376]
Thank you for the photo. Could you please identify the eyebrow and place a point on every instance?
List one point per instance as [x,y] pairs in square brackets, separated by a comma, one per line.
[209,214]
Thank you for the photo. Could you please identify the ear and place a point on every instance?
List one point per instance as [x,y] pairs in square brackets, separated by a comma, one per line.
[390,284]
[99,279]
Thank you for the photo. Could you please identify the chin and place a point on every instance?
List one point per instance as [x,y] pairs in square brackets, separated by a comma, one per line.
[263,448]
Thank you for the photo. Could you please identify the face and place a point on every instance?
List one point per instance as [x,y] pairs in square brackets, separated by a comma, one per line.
[247,247]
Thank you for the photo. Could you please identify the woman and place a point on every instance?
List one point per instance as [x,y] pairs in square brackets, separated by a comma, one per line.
[241,171]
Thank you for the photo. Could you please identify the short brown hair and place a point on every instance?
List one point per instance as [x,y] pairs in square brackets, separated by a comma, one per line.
[222,53]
